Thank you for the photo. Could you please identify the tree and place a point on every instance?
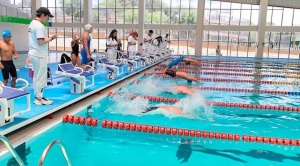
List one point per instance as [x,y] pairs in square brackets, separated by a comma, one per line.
[188,17]
[72,8]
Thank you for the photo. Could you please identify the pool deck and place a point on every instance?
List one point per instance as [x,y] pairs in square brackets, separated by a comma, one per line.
[61,96]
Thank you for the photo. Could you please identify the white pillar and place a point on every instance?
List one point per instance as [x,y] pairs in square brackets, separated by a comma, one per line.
[263,7]
[199,27]
[87,11]
[141,23]
[35,4]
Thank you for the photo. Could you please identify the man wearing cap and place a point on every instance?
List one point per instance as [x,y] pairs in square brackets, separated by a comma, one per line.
[86,50]
[8,53]
[38,53]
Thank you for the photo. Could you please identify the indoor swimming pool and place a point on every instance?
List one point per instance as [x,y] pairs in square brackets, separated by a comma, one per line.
[233,105]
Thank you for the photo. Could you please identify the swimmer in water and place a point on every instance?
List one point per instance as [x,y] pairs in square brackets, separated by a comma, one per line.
[177,89]
[174,73]
[181,90]
[182,59]
[175,110]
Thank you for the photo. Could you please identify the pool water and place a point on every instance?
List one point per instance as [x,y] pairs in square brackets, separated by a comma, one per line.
[96,146]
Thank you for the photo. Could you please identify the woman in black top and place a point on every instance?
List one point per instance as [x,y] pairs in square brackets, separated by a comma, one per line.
[75,50]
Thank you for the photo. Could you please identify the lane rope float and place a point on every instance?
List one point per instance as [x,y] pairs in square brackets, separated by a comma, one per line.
[215,103]
[148,128]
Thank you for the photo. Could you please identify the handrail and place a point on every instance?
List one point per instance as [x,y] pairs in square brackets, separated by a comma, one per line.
[12,150]
[63,149]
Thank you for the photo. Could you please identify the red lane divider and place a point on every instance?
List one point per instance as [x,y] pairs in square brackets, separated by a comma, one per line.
[222,79]
[233,74]
[215,103]
[80,120]
[223,69]
[146,128]
[238,90]
[182,65]
[166,76]
[217,73]
[212,65]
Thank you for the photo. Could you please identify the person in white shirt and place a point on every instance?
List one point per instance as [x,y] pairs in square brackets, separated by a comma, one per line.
[38,53]
[155,44]
[218,51]
[132,38]
[165,41]
[147,42]
[112,45]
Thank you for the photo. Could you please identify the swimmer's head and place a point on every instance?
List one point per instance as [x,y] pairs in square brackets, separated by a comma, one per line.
[6,35]
[88,28]
[189,81]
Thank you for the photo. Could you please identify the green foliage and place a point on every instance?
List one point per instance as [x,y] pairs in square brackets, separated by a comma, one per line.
[162,14]
[72,7]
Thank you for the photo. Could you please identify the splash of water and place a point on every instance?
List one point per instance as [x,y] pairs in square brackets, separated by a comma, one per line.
[195,106]
[148,86]
[125,105]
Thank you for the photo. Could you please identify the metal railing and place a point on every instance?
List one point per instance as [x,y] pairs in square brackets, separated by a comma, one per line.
[12,150]
[14,12]
[63,149]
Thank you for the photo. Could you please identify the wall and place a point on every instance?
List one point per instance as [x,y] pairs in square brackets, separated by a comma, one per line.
[19,34]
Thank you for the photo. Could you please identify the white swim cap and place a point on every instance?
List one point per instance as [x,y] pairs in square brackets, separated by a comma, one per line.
[87,27]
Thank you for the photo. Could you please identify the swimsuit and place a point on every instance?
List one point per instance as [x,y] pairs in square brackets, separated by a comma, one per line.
[171,73]
[175,62]
[150,109]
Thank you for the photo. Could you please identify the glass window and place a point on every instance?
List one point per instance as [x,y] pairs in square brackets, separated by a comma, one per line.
[288,15]
[296,20]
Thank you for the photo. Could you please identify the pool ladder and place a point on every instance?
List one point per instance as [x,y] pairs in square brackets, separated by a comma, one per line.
[43,157]
[63,149]
[12,150]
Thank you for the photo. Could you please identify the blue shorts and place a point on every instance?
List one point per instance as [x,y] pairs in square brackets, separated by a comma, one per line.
[84,58]
[175,62]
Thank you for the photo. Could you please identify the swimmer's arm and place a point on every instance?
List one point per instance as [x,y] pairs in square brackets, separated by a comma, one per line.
[79,41]
[16,55]
[158,72]
[1,66]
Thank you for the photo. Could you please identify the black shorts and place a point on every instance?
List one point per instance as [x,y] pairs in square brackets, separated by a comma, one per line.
[171,73]
[9,68]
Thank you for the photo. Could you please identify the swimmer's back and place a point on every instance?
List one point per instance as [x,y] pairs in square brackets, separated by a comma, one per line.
[175,62]
[175,110]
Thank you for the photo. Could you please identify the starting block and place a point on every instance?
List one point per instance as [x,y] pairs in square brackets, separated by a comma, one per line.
[111,73]
[130,66]
[143,62]
[7,102]
[78,77]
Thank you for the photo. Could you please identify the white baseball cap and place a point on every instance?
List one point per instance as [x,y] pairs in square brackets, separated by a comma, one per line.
[88,26]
